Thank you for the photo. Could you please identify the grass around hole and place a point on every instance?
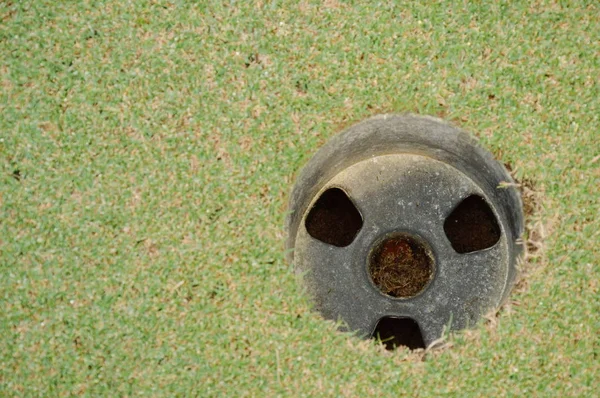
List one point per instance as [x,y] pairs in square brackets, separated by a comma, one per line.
[147,149]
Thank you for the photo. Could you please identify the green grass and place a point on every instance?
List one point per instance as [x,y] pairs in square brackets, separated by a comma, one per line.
[147,149]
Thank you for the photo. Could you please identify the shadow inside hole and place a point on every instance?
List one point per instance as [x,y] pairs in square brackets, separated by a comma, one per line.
[395,332]
[334,219]
[472,226]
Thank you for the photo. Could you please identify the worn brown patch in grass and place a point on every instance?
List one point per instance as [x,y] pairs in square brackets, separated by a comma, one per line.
[536,231]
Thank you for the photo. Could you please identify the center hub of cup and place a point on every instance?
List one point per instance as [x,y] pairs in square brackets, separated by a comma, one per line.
[401,266]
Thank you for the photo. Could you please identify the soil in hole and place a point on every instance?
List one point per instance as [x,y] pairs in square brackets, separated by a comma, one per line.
[334,219]
[472,226]
[400,267]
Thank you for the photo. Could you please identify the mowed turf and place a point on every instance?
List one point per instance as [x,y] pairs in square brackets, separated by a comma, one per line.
[147,149]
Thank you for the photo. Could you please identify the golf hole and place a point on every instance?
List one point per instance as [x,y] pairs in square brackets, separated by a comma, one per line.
[401,266]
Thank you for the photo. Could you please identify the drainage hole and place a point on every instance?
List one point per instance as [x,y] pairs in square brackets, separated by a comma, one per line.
[334,219]
[400,266]
[472,226]
[395,332]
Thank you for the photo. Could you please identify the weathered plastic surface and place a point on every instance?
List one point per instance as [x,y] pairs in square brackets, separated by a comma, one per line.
[405,174]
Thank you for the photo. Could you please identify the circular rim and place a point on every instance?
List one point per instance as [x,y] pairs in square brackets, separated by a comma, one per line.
[402,135]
